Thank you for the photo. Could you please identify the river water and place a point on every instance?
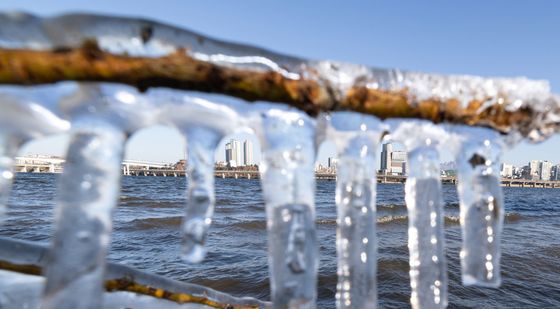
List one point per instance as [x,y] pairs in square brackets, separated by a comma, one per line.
[146,236]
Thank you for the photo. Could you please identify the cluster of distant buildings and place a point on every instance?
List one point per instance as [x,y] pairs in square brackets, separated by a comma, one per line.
[238,154]
[393,162]
[534,170]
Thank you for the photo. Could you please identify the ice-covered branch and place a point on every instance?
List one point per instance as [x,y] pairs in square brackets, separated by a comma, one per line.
[148,54]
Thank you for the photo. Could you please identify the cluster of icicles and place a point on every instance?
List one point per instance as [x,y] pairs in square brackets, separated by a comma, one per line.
[100,118]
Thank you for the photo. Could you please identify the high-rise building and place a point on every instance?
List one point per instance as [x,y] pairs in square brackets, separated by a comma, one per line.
[234,153]
[247,153]
[506,170]
[229,152]
[545,170]
[332,162]
[534,170]
[386,158]
[392,162]
[398,163]
[555,173]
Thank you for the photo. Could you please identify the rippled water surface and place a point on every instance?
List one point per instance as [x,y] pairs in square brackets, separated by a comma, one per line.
[146,236]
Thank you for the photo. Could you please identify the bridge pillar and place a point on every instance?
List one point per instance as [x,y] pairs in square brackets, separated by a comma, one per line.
[236,176]
[248,176]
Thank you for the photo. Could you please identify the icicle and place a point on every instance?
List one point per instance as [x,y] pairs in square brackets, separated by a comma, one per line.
[102,115]
[89,189]
[356,137]
[428,269]
[8,149]
[204,124]
[288,182]
[481,200]
[202,144]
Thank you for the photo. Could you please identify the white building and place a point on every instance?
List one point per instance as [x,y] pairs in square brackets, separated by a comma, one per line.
[534,170]
[248,153]
[398,163]
[506,170]
[545,170]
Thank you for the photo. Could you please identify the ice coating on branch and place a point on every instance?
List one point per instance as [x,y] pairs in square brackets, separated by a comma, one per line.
[466,88]
[288,183]
[356,137]
[204,124]
[481,202]
[428,266]
[22,30]
[33,112]
[88,192]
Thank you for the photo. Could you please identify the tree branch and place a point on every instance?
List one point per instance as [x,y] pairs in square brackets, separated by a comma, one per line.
[181,71]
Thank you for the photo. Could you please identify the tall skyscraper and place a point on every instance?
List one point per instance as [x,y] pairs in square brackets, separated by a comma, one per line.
[229,152]
[392,162]
[234,153]
[555,173]
[534,170]
[386,158]
[332,162]
[545,170]
[506,170]
[237,152]
[247,153]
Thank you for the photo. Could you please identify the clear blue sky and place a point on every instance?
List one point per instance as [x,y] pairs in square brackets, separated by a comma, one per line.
[489,38]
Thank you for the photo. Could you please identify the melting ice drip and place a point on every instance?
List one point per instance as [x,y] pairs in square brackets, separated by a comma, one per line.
[481,201]
[103,115]
[428,269]
[288,182]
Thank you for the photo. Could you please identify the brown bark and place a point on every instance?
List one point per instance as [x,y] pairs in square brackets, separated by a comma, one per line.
[180,71]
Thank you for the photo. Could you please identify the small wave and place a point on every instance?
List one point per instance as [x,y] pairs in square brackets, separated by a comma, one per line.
[134,201]
[448,220]
[392,220]
[325,222]
[396,207]
[391,207]
[513,217]
[250,225]
[151,223]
